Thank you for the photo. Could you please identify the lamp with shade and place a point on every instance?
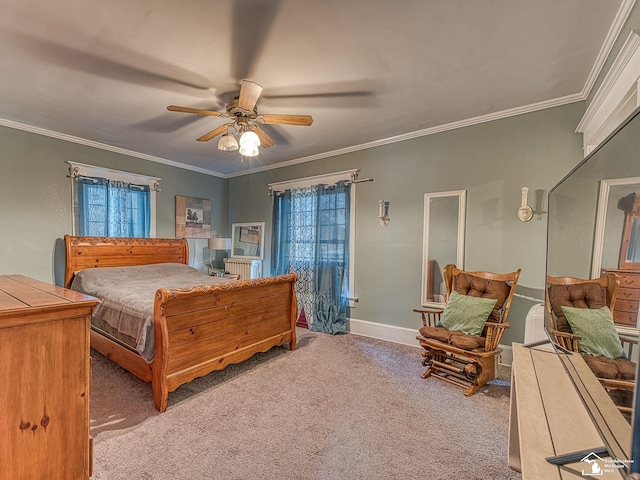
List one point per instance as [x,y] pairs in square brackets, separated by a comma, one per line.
[219,245]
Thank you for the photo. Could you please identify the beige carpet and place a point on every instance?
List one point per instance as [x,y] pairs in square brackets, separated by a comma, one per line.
[338,407]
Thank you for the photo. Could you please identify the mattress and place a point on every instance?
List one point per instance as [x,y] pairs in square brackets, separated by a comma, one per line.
[127,297]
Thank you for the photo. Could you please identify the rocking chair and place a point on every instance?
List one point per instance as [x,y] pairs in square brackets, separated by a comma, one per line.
[580,321]
[461,341]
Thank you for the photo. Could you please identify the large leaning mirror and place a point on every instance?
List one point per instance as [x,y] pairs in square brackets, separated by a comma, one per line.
[592,229]
[443,241]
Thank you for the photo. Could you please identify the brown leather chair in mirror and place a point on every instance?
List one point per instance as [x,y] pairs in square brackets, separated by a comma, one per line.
[461,341]
[579,312]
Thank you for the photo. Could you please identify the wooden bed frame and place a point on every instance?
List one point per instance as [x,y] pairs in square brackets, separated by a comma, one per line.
[197,330]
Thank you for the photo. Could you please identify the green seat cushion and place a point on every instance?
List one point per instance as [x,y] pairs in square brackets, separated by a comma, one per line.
[466,314]
[598,335]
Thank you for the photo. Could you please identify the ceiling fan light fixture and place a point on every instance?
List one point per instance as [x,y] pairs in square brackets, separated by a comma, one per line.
[228,142]
[249,138]
[245,121]
[249,150]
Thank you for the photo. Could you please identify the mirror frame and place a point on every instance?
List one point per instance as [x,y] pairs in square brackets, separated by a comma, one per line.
[601,221]
[601,218]
[236,232]
[462,203]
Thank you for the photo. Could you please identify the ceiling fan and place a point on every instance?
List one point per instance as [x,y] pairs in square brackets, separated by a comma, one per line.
[245,120]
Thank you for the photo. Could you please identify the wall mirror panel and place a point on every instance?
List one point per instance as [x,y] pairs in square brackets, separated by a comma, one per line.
[443,241]
[586,236]
[592,224]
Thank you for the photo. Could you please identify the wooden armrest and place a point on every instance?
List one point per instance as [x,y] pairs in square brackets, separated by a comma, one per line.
[502,325]
[494,334]
[430,317]
[566,340]
[628,339]
[428,310]
[617,384]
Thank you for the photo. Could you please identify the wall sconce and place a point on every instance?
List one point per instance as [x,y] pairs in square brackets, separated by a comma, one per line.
[525,212]
[383,213]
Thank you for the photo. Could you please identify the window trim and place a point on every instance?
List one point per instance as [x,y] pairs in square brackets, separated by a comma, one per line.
[82,169]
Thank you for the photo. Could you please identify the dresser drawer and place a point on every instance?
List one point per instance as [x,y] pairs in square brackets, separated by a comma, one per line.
[625,318]
[628,294]
[628,280]
[628,306]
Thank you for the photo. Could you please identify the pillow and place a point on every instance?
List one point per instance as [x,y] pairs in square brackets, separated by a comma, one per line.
[598,335]
[466,314]
[473,286]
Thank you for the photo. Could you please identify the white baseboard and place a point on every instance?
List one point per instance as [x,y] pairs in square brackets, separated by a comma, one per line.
[506,357]
[391,333]
[405,336]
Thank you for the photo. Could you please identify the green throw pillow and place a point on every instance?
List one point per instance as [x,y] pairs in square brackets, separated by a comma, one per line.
[467,314]
[598,335]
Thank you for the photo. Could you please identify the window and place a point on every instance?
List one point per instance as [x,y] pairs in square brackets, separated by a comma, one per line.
[312,220]
[112,203]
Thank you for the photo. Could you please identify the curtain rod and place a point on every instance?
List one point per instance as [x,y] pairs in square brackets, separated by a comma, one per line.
[363,180]
[75,175]
[350,176]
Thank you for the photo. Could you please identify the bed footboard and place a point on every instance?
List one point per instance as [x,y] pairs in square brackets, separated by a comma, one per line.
[205,328]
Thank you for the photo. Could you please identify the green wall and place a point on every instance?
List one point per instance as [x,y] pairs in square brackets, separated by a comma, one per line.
[35,199]
[492,161]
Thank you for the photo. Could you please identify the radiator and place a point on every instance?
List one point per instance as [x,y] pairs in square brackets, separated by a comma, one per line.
[245,267]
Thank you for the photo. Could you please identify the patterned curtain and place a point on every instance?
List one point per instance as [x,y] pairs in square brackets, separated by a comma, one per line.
[113,209]
[311,238]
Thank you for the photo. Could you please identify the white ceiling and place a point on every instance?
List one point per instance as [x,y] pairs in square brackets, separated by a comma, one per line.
[103,72]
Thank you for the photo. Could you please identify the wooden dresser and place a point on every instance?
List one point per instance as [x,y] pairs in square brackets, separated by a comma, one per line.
[625,310]
[45,371]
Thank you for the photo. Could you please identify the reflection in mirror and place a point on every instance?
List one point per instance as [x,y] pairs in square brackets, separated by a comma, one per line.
[247,240]
[585,239]
[616,242]
[443,241]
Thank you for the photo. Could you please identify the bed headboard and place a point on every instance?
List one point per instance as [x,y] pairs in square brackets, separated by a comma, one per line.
[96,252]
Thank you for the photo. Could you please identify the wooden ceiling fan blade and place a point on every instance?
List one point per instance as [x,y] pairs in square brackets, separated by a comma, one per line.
[274,119]
[249,94]
[196,111]
[265,140]
[213,133]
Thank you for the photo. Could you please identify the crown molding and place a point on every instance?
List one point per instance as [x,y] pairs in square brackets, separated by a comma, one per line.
[624,71]
[103,146]
[355,148]
[422,133]
[616,27]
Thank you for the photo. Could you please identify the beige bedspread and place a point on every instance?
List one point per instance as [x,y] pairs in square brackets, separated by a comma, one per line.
[128,293]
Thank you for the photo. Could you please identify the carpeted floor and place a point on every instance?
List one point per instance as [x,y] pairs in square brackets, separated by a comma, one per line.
[338,407]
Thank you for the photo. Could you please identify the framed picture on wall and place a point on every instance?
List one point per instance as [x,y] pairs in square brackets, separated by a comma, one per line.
[193,217]
[247,240]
